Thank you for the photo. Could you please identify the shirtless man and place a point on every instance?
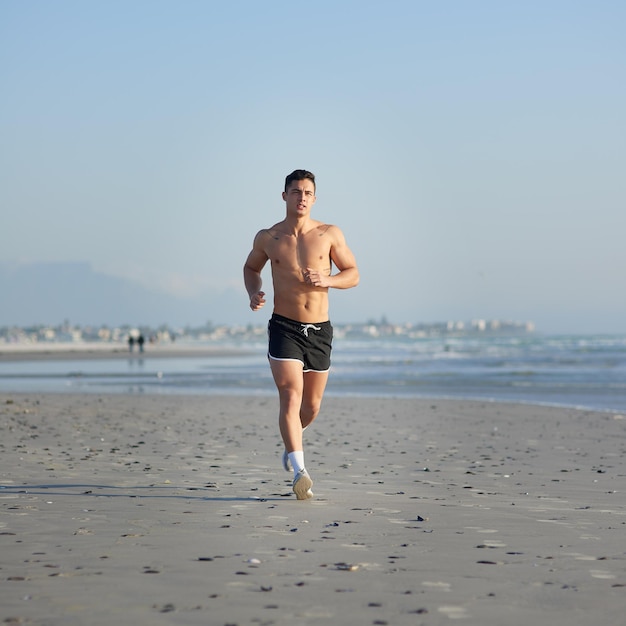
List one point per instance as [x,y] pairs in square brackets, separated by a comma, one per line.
[301,251]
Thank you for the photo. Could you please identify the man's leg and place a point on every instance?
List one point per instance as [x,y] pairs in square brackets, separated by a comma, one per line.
[314,386]
[289,381]
[313,392]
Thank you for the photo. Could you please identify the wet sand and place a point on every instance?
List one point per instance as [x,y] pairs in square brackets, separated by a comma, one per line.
[176,510]
[104,351]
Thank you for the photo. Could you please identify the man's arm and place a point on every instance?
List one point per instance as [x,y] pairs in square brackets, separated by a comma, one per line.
[342,257]
[252,272]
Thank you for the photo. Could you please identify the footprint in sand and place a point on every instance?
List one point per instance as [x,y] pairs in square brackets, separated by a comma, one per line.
[601,573]
[453,612]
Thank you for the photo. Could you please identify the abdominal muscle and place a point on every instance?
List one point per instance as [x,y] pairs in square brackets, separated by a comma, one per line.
[296,300]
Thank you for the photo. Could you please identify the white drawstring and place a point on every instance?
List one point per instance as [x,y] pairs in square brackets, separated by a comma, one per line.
[305,328]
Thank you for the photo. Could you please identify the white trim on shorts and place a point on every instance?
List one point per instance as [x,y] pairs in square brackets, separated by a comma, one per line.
[275,358]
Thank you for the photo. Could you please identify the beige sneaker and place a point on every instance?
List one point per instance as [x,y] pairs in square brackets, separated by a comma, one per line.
[302,484]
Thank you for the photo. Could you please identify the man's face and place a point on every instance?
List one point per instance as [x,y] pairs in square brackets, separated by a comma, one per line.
[300,197]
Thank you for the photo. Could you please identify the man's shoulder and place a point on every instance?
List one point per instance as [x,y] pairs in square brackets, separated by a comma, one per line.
[331,230]
[267,233]
[268,237]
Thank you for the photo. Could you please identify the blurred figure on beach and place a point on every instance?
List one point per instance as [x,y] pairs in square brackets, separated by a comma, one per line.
[301,251]
[131,343]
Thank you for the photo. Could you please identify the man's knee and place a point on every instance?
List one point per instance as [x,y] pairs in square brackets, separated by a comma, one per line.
[310,410]
[290,395]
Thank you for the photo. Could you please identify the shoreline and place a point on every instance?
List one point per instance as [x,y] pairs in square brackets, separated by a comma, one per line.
[98,351]
[140,506]
[578,375]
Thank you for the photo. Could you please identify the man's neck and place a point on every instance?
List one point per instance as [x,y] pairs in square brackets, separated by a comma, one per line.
[298,225]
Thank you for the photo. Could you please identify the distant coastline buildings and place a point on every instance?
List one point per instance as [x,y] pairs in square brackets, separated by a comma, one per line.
[438,329]
[69,333]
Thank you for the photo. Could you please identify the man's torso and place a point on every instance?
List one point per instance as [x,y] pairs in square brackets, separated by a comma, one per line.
[290,256]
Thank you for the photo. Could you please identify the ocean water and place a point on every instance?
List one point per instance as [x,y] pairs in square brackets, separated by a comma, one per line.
[576,371]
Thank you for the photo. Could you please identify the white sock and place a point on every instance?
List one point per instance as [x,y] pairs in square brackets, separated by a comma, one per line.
[296,459]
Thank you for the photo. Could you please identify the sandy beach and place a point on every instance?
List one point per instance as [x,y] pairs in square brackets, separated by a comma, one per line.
[154,509]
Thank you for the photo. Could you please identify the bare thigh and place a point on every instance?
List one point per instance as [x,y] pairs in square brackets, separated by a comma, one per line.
[288,377]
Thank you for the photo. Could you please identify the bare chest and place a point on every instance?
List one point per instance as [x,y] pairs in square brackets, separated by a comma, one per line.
[309,250]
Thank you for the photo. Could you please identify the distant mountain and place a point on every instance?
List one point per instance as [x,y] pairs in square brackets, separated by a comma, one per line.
[49,293]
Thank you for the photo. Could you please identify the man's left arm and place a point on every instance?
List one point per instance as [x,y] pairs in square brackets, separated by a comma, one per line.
[342,257]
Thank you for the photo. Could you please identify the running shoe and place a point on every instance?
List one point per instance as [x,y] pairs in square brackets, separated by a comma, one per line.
[302,484]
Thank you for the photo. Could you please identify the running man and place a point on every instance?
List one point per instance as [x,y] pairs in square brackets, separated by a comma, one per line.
[301,252]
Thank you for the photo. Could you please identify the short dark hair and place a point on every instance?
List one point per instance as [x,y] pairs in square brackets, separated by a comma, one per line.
[299,175]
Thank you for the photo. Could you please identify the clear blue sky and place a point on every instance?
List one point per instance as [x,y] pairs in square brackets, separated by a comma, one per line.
[472,152]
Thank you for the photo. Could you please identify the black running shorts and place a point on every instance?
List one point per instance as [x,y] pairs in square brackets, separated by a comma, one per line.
[294,341]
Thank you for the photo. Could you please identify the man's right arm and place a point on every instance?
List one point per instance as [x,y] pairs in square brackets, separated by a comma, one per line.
[252,272]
